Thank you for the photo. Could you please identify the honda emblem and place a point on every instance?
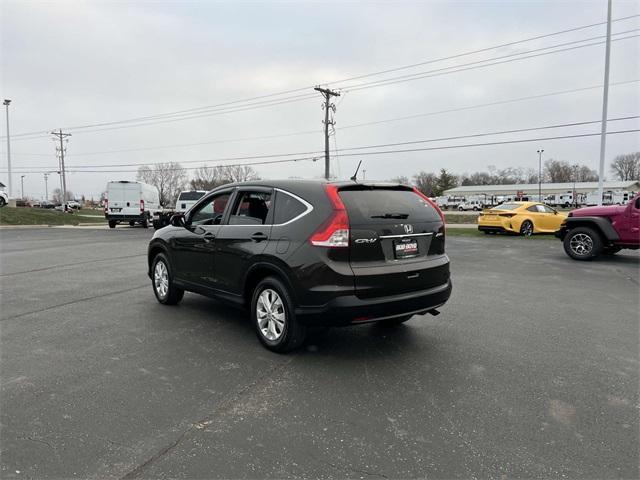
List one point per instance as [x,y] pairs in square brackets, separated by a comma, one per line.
[408,228]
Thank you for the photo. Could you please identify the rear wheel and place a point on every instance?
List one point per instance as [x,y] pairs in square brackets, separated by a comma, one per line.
[583,243]
[112,224]
[526,229]
[2,202]
[131,223]
[273,317]
[145,222]
[162,282]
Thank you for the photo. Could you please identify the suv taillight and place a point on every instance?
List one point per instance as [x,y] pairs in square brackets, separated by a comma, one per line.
[106,206]
[333,233]
[141,206]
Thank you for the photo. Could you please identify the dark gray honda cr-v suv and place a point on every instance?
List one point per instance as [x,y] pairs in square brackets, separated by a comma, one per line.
[302,253]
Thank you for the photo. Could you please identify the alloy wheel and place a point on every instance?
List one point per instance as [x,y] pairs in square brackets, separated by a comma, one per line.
[161,279]
[527,229]
[581,244]
[271,315]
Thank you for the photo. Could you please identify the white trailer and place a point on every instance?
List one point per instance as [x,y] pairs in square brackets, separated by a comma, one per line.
[615,197]
[131,202]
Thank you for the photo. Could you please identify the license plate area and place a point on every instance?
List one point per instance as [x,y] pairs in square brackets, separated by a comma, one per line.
[116,209]
[405,248]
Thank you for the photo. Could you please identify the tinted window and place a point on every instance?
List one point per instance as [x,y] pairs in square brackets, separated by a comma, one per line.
[533,208]
[191,195]
[251,208]
[211,212]
[387,206]
[287,208]
[508,206]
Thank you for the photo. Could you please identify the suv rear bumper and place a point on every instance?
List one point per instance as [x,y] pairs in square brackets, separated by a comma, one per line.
[125,218]
[349,309]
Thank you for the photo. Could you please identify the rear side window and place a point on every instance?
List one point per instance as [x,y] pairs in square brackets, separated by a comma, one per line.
[287,208]
[251,208]
[387,206]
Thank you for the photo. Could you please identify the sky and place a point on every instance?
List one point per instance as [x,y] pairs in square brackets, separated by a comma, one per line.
[70,64]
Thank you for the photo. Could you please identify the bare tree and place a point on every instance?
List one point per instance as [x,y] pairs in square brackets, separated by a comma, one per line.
[627,167]
[239,173]
[426,183]
[585,174]
[208,178]
[57,195]
[401,179]
[558,171]
[169,178]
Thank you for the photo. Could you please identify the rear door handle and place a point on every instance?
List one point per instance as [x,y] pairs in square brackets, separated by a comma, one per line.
[258,237]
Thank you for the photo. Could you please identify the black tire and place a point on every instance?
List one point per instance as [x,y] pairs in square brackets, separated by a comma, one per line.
[157,224]
[583,243]
[172,295]
[392,322]
[112,224]
[291,334]
[2,202]
[611,250]
[145,222]
[132,223]
[526,229]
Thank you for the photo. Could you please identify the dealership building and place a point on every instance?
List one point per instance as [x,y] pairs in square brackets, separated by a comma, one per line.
[547,188]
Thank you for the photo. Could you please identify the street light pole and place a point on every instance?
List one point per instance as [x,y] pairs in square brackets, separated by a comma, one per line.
[605,101]
[575,179]
[540,175]
[6,104]
[46,187]
[22,186]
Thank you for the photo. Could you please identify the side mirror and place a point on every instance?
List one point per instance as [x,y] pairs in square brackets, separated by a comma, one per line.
[177,220]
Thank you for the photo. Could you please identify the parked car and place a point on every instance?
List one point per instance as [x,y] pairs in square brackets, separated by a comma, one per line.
[589,232]
[73,204]
[4,198]
[131,202]
[46,204]
[301,253]
[525,218]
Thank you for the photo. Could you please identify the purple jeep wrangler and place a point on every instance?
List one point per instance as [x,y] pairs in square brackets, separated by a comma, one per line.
[589,232]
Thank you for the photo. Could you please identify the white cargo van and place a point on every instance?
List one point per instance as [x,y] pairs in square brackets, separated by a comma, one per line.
[131,202]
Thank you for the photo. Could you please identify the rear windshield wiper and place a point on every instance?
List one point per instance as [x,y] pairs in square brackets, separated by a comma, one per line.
[392,215]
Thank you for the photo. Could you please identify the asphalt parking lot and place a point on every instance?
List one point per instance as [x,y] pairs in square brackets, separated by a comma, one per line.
[531,370]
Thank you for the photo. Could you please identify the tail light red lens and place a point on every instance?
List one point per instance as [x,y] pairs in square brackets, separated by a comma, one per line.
[141,206]
[334,232]
[106,205]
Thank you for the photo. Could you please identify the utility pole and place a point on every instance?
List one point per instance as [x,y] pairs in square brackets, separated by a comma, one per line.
[62,136]
[605,101]
[46,187]
[540,175]
[327,105]
[6,104]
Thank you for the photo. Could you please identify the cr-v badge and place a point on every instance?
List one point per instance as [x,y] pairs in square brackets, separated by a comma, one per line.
[365,240]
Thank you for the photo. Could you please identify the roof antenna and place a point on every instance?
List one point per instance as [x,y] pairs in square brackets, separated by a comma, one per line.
[355,175]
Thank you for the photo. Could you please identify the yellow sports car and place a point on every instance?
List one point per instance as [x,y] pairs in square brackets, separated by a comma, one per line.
[525,218]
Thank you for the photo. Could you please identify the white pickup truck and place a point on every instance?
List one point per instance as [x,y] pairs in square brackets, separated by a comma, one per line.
[186,200]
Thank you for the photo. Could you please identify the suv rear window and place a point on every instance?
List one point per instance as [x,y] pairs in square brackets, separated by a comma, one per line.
[191,195]
[287,208]
[387,206]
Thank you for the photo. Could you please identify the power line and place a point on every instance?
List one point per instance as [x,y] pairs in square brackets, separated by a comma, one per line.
[296,90]
[472,66]
[356,125]
[314,155]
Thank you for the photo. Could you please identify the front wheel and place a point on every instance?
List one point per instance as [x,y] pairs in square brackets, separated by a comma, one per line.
[582,243]
[526,229]
[273,317]
[2,202]
[162,282]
